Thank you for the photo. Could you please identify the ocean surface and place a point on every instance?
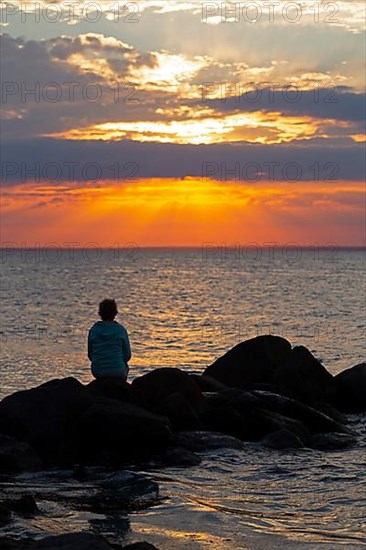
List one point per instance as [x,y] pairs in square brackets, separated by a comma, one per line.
[185,308]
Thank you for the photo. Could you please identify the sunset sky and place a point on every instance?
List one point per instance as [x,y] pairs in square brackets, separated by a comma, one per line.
[174,123]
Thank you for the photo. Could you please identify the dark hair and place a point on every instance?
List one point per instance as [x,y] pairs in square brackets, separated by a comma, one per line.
[108,309]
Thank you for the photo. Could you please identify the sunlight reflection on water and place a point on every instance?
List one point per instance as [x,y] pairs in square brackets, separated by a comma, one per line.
[181,309]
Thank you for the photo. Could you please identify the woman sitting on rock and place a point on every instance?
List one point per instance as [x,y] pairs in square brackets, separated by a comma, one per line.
[108,344]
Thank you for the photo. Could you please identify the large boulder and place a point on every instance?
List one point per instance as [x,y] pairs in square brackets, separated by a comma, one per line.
[180,412]
[17,456]
[250,362]
[207,383]
[315,420]
[152,388]
[140,546]
[226,419]
[110,430]
[262,422]
[351,389]
[176,457]
[24,506]
[199,441]
[78,541]
[332,441]
[110,386]
[45,417]
[282,439]
[303,376]
[5,518]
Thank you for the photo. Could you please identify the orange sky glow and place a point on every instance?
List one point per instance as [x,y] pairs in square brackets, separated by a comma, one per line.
[184,212]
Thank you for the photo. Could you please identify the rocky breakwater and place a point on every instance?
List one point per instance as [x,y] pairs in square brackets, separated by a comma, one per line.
[263,390]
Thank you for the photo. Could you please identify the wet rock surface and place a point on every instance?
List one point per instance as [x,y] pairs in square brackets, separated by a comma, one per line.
[72,541]
[351,389]
[17,456]
[45,494]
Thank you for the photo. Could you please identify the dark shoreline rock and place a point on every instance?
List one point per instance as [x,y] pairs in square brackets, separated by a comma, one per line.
[151,389]
[200,441]
[119,431]
[351,389]
[259,387]
[44,417]
[282,439]
[269,363]
[17,456]
[262,391]
[70,541]
[250,362]
[102,492]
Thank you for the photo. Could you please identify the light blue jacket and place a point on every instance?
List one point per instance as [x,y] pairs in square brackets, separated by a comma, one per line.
[109,349]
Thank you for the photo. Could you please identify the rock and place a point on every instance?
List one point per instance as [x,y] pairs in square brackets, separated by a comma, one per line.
[5,516]
[200,441]
[126,491]
[313,419]
[17,456]
[110,387]
[304,377]
[234,397]
[269,363]
[282,439]
[243,401]
[332,441]
[225,419]
[330,411]
[270,387]
[262,422]
[111,430]
[181,414]
[250,416]
[351,389]
[104,492]
[77,541]
[24,506]
[176,457]
[84,541]
[45,417]
[150,390]
[250,362]
[207,383]
[140,546]
[12,543]
[80,472]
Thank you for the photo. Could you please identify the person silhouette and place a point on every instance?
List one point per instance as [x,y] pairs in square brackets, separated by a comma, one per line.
[109,347]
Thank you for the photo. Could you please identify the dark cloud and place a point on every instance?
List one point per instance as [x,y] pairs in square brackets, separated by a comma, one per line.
[339,103]
[30,65]
[317,160]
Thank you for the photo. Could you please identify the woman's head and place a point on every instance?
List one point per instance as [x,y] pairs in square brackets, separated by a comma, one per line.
[108,310]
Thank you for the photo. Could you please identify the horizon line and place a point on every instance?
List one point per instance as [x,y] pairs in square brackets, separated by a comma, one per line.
[249,245]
